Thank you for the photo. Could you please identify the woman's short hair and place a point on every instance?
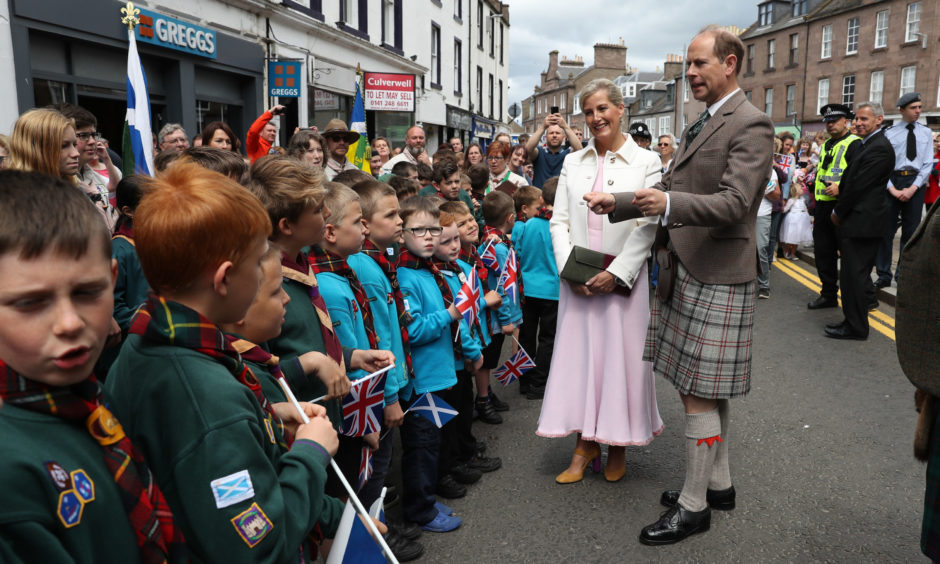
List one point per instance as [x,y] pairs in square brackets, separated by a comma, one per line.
[498,148]
[602,85]
[36,141]
[300,142]
[209,131]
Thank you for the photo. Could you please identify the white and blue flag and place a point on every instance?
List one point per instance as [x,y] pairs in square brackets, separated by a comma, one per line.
[138,136]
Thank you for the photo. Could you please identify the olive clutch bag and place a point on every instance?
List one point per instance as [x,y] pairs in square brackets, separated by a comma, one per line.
[584,264]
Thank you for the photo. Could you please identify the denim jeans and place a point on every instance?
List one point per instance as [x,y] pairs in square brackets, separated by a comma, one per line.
[763,237]
[421,443]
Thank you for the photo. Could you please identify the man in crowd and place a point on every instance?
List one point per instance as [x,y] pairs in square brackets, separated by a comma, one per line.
[835,155]
[913,150]
[456,144]
[338,139]
[641,134]
[862,214]
[414,150]
[172,137]
[547,161]
[262,134]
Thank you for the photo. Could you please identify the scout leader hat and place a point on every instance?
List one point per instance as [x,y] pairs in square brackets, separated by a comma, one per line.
[908,98]
[832,112]
[639,129]
[338,127]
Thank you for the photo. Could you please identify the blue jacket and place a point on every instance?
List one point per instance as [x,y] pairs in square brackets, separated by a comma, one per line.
[510,311]
[533,244]
[469,346]
[484,314]
[432,354]
[385,320]
[345,313]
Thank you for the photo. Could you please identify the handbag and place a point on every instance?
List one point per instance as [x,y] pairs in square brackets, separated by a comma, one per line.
[584,264]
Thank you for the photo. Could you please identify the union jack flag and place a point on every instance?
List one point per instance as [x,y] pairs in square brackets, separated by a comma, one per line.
[467,300]
[516,366]
[488,255]
[365,467]
[509,278]
[362,407]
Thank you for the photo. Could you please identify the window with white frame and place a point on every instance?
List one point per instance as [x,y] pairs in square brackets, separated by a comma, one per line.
[876,90]
[799,8]
[908,75]
[651,124]
[794,48]
[665,125]
[479,107]
[458,66]
[492,32]
[822,94]
[561,106]
[388,22]
[765,14]
[685,90]
[631,90]
[851,37]
[435,55]
[480,24]
[913,22]
[458,9]
[577,104]
[623,90]
[791,100]
[848,89]
[826,50]
[750,58]
[881,29]
[490,84]
[771,48]
[769,101]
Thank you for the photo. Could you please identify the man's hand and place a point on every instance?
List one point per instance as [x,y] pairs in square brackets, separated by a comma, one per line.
[908,193]
[277,110]
[370,360]
[394,416]
[424,158]
[650,201]
[600,202]
[602,283]
[835,219]
[832,189]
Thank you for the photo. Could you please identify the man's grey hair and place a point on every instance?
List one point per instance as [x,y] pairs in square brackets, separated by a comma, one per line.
[169,129]
[672,140]
[876,107]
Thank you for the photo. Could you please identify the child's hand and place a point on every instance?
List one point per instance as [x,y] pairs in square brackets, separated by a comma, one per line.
[371,440]
[492,299]
[335,379]
[508,329]
[320,431]
[370,360]
[394,416]
[286,411]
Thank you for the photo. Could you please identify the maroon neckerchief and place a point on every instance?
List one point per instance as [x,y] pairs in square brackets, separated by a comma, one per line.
[124,228]
[158,537]
[408,260]
[391,273]
[323,260]
[301,271]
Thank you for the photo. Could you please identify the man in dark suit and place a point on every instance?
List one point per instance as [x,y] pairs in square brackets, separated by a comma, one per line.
[862,215]
[700,337]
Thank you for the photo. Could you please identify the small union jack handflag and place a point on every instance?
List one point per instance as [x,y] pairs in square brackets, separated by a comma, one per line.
[488,255]
[365,467]
[362,407]
[516,366]
[509,278]
[467,300]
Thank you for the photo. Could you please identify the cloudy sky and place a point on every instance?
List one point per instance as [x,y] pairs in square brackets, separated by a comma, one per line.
[539,26]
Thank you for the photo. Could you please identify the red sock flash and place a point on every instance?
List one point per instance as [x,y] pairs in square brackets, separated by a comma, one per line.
[709,441]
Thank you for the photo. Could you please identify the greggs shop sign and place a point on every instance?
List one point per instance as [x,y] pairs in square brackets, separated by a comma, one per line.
[389,92]
[172,33]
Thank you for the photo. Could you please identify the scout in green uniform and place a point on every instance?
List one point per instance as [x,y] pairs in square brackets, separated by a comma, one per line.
[185,395]
[293,196]
[75,489]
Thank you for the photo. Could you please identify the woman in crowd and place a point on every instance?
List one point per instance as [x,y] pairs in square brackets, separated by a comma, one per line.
[307,146]
[44,140]
[381,146]
[667,148]
[598,385]
[497,158]
[472,155]
[517,162]
[219,135]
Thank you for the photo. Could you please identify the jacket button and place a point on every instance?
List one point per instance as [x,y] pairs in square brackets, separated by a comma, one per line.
[610,182]
[613,159]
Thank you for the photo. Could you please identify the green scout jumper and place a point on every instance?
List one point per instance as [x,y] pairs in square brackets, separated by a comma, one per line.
[46,512]
[236,495]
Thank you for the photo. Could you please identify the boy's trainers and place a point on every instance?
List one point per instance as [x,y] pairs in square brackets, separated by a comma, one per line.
[446,510]
[485,411]
[447,487]
[498,404]
[442,524]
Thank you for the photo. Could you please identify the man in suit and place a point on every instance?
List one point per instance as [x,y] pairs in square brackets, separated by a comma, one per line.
[862,215]
[700,337]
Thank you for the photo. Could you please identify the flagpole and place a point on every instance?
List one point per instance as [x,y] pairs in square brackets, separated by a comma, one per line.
[386,551]
[355,383]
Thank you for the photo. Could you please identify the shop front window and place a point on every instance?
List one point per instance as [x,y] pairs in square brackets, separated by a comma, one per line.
[208,112]
[325,105]
[393,126]
[48,92]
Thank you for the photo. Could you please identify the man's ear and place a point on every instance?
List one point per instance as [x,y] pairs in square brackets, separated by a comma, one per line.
[220,278]
[365,227]
[284,227]
[329,234]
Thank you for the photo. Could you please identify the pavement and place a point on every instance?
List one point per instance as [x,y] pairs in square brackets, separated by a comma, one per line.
[821,457]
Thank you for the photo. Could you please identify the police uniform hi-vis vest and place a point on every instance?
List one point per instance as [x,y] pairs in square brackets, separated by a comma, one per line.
[837,164]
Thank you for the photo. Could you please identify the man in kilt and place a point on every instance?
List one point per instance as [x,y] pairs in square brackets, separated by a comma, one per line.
[700,336]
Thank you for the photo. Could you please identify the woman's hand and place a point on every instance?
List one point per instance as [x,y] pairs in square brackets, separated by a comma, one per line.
[580,289]
[602,283]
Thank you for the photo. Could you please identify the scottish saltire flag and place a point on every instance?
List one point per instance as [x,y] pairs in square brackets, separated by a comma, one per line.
[360,152]
[517,365]
[365,467]
[467,300]
[488,255]
[353,543]
[434,408]
[137,144]
[509,278]
[362,407]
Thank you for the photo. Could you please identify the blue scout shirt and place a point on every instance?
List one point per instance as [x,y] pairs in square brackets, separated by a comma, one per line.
[533,244]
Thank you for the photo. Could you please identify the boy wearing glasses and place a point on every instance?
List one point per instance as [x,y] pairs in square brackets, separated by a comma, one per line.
[338,139]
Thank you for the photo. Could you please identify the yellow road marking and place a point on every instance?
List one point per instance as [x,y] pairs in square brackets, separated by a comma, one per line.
[877,320]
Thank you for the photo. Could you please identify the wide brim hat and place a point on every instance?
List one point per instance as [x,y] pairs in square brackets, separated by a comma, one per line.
[339,126]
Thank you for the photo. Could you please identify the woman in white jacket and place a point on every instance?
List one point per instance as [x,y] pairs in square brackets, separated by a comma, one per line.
[598,385]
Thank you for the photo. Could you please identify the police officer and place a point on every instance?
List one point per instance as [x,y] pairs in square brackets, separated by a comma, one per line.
[913,151]
[641,134]
[835,155]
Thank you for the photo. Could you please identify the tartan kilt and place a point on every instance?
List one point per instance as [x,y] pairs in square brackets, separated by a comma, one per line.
[930,526]
[700,340]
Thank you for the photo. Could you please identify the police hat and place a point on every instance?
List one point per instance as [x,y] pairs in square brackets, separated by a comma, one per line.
[832,112]
[639,129]
[908,98]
